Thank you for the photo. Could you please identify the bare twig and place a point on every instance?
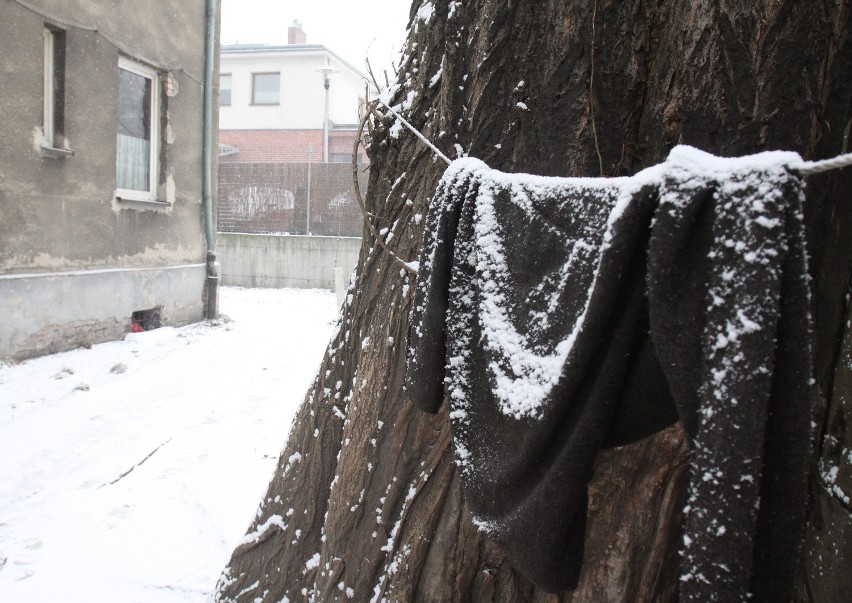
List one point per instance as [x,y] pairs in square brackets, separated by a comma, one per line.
[126,473]
[370,71]
[360,199]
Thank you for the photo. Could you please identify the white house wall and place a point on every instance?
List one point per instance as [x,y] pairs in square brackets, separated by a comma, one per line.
[302,92]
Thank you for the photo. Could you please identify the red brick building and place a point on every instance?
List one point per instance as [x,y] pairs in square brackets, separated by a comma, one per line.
[287,146]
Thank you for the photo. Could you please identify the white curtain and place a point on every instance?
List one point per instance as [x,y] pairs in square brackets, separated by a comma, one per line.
[132,163]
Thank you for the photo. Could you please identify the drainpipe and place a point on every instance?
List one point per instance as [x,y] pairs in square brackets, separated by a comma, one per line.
[212,307]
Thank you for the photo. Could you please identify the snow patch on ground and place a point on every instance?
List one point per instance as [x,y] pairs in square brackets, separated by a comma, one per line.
[130,471]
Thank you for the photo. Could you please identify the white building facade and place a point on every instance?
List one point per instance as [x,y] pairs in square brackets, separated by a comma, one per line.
[272,103]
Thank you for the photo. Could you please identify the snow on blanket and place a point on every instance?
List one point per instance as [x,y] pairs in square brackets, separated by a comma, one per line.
[563,315]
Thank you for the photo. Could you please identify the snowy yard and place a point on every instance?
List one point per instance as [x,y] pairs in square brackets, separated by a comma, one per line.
[129,471]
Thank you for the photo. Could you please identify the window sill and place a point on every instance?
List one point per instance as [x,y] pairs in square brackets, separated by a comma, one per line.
[131,200]
[150,203]
[56,152]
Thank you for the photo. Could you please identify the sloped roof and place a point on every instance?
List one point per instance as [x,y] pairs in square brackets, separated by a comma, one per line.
[234,49]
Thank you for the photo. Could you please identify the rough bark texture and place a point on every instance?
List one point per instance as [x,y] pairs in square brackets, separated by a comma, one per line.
[366,502]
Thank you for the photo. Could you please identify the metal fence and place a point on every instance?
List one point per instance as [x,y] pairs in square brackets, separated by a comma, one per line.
[289,198]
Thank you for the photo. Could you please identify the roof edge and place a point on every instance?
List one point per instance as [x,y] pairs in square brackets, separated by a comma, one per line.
[269,48]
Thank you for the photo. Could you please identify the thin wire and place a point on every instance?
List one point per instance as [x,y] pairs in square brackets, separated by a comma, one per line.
[806,168]
[416,133]
[809,168]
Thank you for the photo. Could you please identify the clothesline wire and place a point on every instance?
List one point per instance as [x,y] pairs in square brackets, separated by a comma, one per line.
[806,168]
[416,132]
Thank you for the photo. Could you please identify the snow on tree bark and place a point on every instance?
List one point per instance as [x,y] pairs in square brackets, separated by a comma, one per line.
[366,502]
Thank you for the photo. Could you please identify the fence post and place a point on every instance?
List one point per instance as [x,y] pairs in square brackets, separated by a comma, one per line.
[339,286]
[308,213]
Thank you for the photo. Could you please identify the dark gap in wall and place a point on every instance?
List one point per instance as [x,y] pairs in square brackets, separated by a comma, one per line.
[146,320]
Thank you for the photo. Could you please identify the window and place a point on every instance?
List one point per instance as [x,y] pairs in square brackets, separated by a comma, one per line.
[266,88]
[224,89]
[54,92]
[138,132]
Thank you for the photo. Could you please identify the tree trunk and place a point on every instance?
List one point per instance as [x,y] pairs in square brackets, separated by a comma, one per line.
[366,502]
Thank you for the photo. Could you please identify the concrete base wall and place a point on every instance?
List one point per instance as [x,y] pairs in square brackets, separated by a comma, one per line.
[305,262]
[53,312]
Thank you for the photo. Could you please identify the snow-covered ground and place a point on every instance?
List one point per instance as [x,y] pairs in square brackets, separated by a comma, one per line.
[129,471]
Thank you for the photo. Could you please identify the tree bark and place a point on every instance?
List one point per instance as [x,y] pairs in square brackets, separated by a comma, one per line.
[366,502]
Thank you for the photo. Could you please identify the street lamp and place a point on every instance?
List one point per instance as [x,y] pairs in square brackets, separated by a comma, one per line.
[326,71]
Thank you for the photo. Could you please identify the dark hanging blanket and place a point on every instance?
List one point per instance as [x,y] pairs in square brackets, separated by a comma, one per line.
[560,316]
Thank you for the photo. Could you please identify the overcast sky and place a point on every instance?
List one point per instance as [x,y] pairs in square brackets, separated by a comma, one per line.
[348,27]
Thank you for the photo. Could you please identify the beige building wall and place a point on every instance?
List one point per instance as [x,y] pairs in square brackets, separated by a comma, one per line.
[76,259]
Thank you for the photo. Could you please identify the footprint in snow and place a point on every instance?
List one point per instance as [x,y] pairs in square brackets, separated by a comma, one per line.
[65,372]
[20,573]
[15,566]
[122,512]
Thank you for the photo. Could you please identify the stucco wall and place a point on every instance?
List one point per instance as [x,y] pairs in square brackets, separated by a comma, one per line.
[61,214]
[251,260]
[54,312]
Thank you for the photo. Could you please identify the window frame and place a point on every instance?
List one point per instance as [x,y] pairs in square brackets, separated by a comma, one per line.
[150,195]
[53,93]
[229,89]
[254,88]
